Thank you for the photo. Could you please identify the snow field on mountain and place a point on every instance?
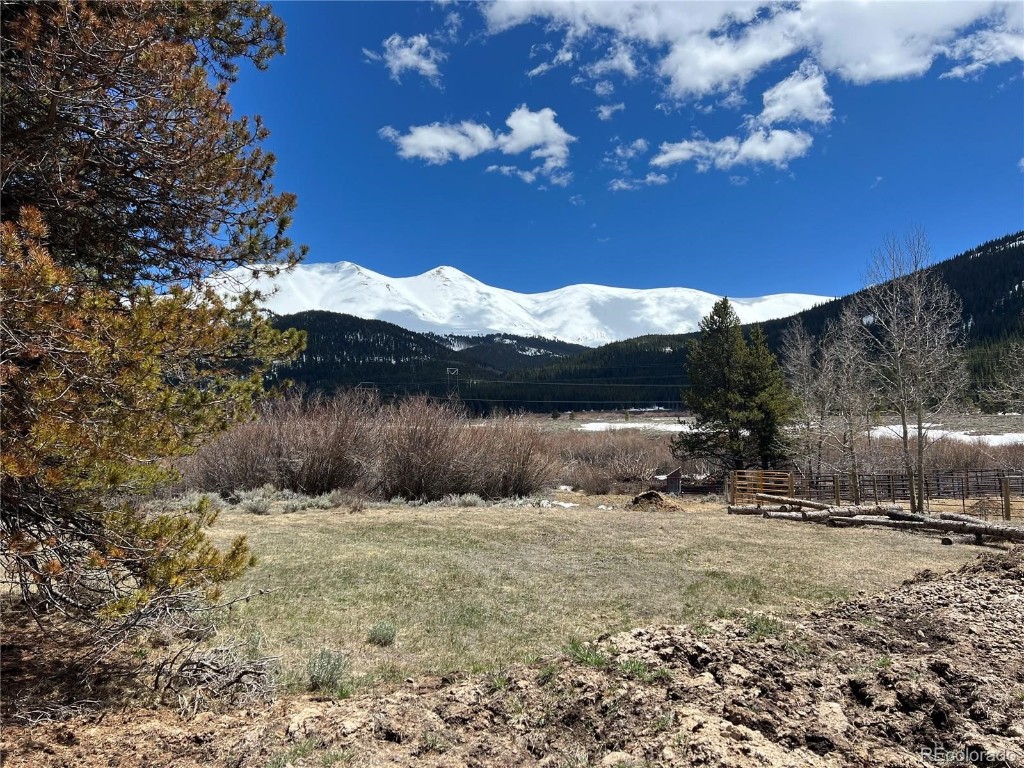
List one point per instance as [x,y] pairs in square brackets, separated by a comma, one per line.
[448,301]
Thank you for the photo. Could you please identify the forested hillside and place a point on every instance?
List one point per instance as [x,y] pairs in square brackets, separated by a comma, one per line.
[345,351]
[504,371]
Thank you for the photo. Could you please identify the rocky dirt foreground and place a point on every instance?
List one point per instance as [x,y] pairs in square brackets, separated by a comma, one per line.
[931,672]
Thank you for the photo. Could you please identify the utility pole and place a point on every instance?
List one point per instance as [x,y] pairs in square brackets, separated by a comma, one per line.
[453,383]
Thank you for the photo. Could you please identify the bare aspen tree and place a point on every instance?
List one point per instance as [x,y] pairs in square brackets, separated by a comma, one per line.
[829,378]
[801,367]
[844,370]
[914,337]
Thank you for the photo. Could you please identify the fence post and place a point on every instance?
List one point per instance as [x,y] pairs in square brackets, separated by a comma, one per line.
[835,487]
[1004,483]
[792,485]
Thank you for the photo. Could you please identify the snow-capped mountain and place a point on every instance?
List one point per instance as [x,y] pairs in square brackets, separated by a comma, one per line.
[448,301]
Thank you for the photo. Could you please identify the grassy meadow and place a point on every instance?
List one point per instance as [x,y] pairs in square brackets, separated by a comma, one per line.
[473,589]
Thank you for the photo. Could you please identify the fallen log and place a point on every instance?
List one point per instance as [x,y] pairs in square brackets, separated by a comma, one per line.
[815,515]
[809,514]
[790,501]
[962,518]
[780,515]
[822,507]
[883,509]
[992,530]
[743,509]
[914,517]
[823,515]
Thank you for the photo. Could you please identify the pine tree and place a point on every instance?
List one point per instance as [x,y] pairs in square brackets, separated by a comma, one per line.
[126,182]
[737,394]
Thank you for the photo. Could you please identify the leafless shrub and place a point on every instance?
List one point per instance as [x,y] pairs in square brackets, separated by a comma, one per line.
[510,456]
[414,449]
[321,443]
[419,453]
[428,450]
[588,478]
[203,679]
[882,453]
[310,446]
[240,459]
[592,462]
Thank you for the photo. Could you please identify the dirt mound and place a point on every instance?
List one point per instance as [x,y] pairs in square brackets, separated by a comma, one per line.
[650,499]
[929,672]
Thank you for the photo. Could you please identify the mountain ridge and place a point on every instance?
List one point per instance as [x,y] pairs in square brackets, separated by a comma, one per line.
[526,373]
[446,300]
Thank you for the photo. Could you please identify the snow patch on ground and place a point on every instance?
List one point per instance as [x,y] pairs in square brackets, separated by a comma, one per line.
[608,426]
[1010,438]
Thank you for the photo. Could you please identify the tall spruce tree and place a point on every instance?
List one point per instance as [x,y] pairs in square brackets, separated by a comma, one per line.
[737,394]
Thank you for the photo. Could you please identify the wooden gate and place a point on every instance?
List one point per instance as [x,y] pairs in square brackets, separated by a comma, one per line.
[744,483]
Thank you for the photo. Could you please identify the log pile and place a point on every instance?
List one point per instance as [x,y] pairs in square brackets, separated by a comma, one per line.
[886,516]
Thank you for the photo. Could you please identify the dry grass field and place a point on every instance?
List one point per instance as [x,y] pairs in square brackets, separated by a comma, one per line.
[475,589]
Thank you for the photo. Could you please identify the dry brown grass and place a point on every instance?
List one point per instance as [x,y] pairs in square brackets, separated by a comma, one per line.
[475,589]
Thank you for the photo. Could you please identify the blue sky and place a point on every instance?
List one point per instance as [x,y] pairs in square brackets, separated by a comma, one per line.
[757,149]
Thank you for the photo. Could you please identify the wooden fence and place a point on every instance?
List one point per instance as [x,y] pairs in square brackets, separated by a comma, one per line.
[743,484]
[983,492]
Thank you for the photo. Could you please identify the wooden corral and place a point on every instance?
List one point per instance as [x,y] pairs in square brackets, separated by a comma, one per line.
[745,484]
[982,493]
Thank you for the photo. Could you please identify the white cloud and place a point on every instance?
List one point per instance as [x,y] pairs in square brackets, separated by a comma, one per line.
[627,185]
[869,42]
[800,97]
[577,200]
[510,170]
[629,151]
[706,55]
[1020,165]
[732,100]
[619,59]
[437,143]
[561,178]
[564,56]
[773,147]
[989,47]
[703,48]
[409,53]
[537,132]
[452,25]
[619,157]
[606,111]
[701,64]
